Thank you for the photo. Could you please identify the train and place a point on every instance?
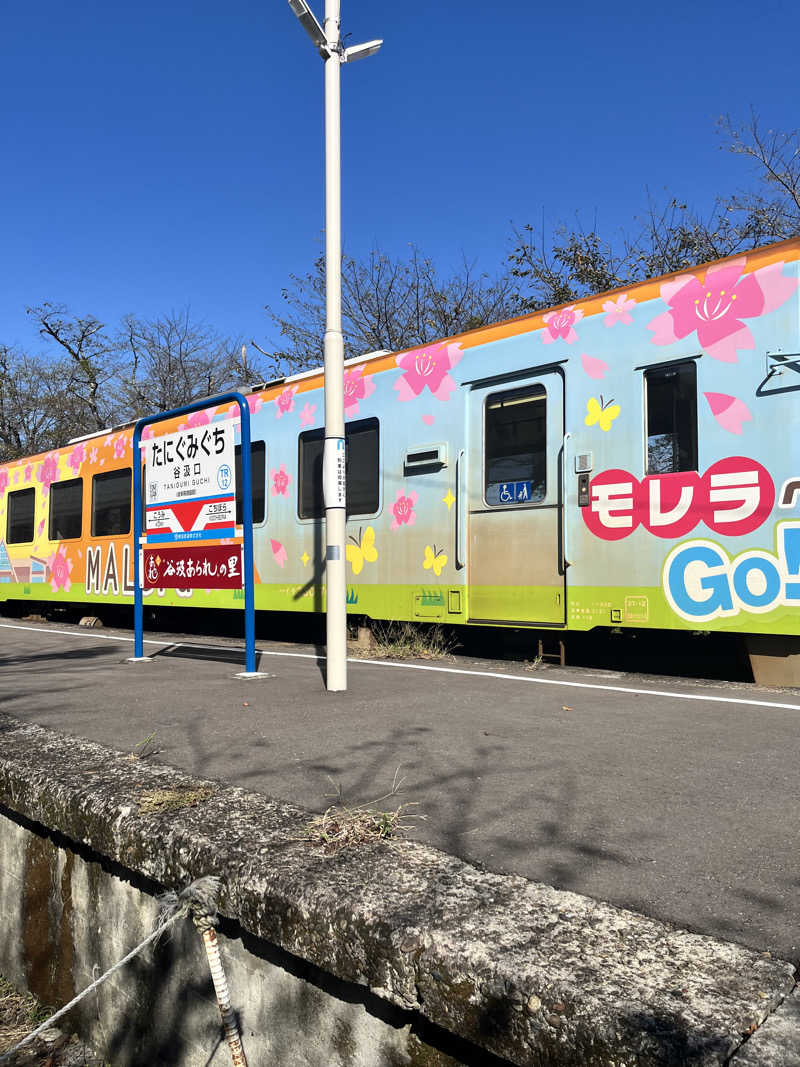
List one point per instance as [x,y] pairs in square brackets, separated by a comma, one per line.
[629,460]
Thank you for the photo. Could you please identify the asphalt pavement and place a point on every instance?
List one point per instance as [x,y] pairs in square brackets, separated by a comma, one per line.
[676,798]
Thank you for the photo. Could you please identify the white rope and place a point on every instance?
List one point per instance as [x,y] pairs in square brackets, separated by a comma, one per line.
[176,906]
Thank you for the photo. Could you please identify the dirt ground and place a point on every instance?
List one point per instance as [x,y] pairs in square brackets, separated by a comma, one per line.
[22,1013]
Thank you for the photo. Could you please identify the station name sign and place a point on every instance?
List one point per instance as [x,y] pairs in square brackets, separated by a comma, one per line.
[190,500]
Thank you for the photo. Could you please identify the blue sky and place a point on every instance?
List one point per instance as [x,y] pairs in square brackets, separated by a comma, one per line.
[164,155]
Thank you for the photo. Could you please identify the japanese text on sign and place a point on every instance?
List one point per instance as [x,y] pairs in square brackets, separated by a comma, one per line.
[190,484]
[201,567]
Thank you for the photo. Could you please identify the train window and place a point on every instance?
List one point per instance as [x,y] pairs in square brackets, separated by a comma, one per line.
[671,418]
[362,443]
[66,507]
[19,524]
[111,503]
[515,443]
[258,481]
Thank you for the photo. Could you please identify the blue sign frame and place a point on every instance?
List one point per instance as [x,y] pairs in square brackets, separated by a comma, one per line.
[247,520]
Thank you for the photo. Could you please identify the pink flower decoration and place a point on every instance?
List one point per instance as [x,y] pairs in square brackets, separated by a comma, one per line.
[28,472]
[254,402]
[429,420]
[307,414]
[561,324]
[715,307]
[428,368]
[357,386]
[40,528]
[147,432]
[120,447]
[93,456]
[60,570]
[280,481]
[108,440]
[48,472]
[619,310]
[403,510]
[200,418]
[284,401]
[729,411]
[3,479]
[76,457]
[595,368]
[279,552]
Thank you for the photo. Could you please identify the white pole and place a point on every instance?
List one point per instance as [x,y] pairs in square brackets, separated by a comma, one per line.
[334,488]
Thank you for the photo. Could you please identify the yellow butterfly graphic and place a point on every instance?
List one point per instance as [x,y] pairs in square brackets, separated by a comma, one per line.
[604,413]
[362,550]
[435,559]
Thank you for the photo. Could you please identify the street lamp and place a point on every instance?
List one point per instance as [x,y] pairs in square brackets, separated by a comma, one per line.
[328,43]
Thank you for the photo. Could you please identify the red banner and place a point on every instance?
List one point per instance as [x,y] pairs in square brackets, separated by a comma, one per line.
[193,567]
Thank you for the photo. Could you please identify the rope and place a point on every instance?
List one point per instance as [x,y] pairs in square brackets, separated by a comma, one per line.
[174,906]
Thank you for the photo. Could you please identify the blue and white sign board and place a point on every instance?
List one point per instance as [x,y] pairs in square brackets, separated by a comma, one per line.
[509,493]
[190,488]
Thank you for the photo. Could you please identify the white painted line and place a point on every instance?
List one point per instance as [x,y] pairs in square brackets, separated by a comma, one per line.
[428,667]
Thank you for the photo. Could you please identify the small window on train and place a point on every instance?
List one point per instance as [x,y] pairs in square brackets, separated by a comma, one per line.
[671,418]
[258,481]
[19,524]
[362,444]
[111,503]
[515,444]
[66,507]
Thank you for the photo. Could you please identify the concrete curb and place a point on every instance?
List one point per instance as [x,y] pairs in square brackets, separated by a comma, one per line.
[532,974]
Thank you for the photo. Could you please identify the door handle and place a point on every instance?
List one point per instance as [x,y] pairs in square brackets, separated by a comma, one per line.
[461,500]
[564,520]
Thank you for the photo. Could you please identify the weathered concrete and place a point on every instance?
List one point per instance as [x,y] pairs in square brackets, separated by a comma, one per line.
[677,804]
[515,968]
[777,1042]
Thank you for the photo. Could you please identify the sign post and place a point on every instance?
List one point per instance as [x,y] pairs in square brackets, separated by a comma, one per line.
[190,499]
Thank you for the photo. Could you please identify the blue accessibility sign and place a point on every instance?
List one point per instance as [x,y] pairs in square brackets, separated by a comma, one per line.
[510,493]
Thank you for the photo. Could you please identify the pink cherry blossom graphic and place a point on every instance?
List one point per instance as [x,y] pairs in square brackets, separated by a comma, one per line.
[93,456]
[3,479]
[40,528]
[108,440]
[200,418]
[429,420]
[403,510]
[28,472]
[147,432]
[428,368]
[716,306]
[76,457]
[619,310]
[48,472]
[255,402]
[357,386]
[120,447]
[561,324]
[307,414]
[279,552]
[594,367]
[280,481]
[60,570]
[284,401]
[729,411]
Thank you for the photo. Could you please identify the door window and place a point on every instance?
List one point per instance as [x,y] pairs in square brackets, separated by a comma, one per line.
[515,447]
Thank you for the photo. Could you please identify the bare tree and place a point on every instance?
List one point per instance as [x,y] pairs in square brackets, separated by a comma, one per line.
[36,410]
[386,304]
[577,261]
[91,360]
[170,361]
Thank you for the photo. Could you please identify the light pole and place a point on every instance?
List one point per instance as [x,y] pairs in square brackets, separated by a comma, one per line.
[329,45]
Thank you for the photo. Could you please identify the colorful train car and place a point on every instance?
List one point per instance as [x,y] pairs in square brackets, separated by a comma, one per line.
[629,460]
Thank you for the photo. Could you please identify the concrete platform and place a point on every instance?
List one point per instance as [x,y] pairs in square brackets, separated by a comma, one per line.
[675,799]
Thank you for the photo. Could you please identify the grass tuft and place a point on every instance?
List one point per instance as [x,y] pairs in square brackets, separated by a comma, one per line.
[154,801]
[408,640]
[341,826]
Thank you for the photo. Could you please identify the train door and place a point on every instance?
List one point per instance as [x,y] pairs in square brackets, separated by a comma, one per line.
[514,501]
